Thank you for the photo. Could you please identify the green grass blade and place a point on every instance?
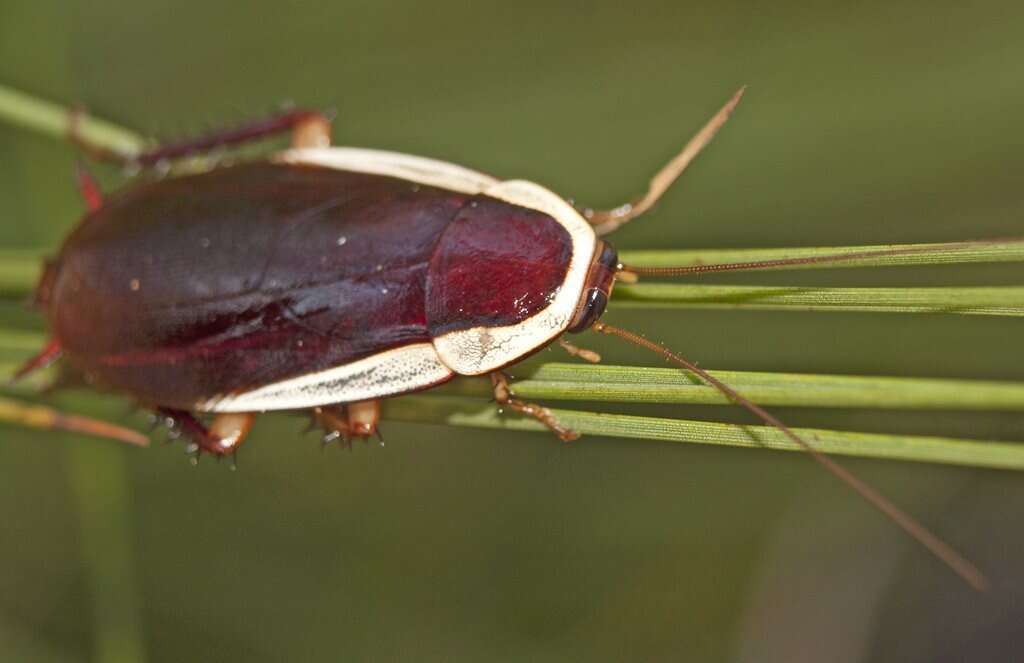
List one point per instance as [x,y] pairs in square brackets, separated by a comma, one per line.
[52,119]
[456,411]
[1003,250]
[479,413]
[19,272]
[995,300]
[641,384]
[19,343]
[636,384]
[46,418]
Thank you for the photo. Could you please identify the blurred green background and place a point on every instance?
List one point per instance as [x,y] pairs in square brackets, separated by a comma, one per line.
[864,123]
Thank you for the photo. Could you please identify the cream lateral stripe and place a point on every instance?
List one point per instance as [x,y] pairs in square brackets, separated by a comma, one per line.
[429,172]
[388,373]
[484,349]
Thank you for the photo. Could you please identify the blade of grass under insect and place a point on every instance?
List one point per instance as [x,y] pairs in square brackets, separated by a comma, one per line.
[995,300]
[644,384]
[456,411]
[52,119]
[47,418]
[19,343]
[638,384]
[1003,250]
[19,271]
[480,413]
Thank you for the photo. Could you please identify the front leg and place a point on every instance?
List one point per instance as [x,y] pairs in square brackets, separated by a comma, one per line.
[503,395]
[225,434]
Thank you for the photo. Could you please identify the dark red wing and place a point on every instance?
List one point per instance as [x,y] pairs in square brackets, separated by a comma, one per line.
[181,289]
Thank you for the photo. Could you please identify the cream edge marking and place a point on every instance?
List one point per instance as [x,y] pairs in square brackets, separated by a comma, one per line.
[399,370]
[467,352]
[481,350]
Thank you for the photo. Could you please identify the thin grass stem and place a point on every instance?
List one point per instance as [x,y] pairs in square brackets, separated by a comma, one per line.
[457,411]
[50,119]
[993,300]
[946,253]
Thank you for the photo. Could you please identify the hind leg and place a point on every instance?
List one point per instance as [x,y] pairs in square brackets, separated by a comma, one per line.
[360,419]
[225,434]
[309,128]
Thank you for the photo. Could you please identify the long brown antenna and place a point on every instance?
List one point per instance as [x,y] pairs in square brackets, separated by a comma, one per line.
[606,221]
[942,550]
[809,260]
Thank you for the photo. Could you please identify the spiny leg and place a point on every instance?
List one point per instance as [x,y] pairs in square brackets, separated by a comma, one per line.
[334,420]
[225,434]
[607,221]
[350,420]
[310,128]
[503,395]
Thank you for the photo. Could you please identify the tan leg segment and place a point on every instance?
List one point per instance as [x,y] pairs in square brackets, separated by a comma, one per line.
[606,221]
[503,395]
[348,421]
[363,418]
[229,430]
[577,351]
[314,131]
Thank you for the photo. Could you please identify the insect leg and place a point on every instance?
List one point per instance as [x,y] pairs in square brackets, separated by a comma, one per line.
[231,429]
[576,351]
[606,221]
[334,421]
[50,353]
[310,128]
[226,433]
[503,395]
[88,188]
[363,418]
[358,419]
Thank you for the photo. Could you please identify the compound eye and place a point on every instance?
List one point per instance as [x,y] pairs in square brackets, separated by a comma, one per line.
[592,309]
[598,288]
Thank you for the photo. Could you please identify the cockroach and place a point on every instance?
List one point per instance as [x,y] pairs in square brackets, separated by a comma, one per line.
[326,278]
